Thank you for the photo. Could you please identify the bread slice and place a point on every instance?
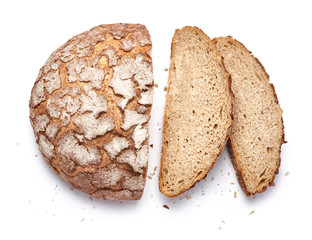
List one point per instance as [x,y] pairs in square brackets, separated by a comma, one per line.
[90,109]
[257,129]
[198,112]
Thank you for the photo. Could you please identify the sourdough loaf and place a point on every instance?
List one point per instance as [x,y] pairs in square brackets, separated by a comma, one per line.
[257,129]
[90,107]
[198,112]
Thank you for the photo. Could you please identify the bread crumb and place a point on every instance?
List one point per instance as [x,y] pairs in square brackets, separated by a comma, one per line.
[82,219]
[232,183]
[229,173]
[72,189]
[165,88]
[287,173]
[220,228]
[252,212]
[235,194]
[17,143]
[149,177]
[212,178]
[188,197]
[156,85]
[273,184]
[203,194]
[36,155]
[223,221]
[166,69]
[151,145]
[155,168]
[91,199]
[165,206]
[153,173]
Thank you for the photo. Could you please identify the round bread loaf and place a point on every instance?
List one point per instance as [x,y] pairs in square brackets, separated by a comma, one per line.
[90,107]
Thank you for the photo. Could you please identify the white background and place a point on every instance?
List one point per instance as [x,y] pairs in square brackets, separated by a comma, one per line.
[36,204]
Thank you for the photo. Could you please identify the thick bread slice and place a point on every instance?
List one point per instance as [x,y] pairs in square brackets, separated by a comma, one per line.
[257,129]
[90,109]
[198,112]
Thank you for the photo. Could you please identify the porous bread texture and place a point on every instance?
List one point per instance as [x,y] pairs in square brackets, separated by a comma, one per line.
[257,129]
[90,107]
[198,112]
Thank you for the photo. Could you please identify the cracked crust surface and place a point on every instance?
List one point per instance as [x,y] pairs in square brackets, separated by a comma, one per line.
[86,110]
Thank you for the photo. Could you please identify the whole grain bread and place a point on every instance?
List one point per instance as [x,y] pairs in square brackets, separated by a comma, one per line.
[198,112]
[90,108]
[257,129]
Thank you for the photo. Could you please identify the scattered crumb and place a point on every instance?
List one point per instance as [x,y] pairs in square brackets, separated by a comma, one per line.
[212,178]
[223,221]
[286,173]
[203,194]
[273,184]
[36,155]
[159,129]
[235,194]
[165,206]
[18,143]
[232,183]
[153,173]
[151,145]
[53,215]
[91,199]
[252,212]
[72,189]
[188,197]
[156,85]
[165,69]
[229,173]
[155,168]
[149,177]
[165,88]
[82,219]
[220,228]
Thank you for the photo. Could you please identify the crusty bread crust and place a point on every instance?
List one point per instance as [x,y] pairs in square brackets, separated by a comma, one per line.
[204,171]
[90,107]
[231,148]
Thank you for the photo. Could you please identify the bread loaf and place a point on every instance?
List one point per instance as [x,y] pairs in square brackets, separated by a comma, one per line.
[90,108]
[198,112]
[257,129]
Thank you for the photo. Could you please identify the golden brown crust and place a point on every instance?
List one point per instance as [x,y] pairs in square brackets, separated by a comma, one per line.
[204,173]
[232,151]
[90,107]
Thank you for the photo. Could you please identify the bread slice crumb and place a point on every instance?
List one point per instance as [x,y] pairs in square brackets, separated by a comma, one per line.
[82,219]
[287,173]
[156,85]
[36,155]
[151,145]
[155,168]
[165,69]
[252,212]
[223,221]
[235,194]
[165,206]
[165,88]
